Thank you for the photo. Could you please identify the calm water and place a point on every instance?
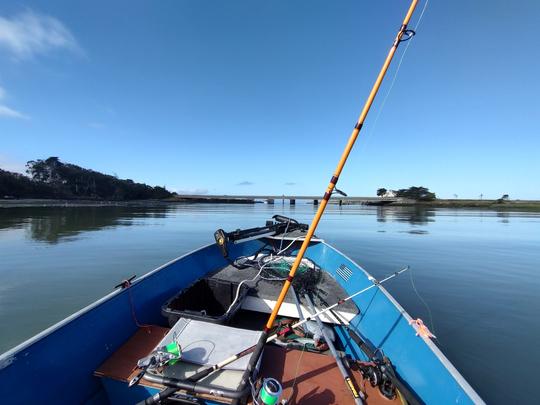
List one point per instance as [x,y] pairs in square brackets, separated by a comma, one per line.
[477,270]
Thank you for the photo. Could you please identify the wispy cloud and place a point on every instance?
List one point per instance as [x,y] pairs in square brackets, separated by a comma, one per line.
[8,112]
[96,125]
[290,183]
[191,191]
[245,183]
[28,34]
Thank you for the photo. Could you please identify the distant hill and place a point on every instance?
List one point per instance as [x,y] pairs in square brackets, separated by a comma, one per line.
[51,178]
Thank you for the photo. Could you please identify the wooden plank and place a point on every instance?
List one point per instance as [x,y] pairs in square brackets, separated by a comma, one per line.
[122,363]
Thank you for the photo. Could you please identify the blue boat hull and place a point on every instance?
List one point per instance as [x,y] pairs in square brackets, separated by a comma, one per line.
[57,365]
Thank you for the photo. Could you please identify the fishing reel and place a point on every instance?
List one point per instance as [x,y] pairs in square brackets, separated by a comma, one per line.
[376,373]
[168,354]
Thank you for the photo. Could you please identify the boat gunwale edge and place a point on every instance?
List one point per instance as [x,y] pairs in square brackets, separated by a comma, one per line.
[464,384]
[6,356]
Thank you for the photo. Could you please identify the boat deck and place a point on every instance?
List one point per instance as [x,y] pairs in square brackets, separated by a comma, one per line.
[311,378]
[307,378]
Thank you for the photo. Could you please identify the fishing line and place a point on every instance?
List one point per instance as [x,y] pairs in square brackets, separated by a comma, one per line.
[253,392]
[423,301]
[296,372]
[368,136]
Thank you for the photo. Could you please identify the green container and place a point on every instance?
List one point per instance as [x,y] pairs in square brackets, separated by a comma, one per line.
[270,391]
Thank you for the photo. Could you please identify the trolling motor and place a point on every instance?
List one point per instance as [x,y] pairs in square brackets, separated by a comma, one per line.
[281,225]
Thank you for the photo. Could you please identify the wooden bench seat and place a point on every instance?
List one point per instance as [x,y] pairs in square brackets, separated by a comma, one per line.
[122,364]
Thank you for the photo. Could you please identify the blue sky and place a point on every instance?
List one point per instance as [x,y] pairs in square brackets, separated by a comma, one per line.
[253,97]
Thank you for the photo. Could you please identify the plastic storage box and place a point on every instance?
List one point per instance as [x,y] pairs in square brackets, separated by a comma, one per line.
[206,300]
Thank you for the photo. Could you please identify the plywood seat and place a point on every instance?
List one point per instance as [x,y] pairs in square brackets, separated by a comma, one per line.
[122,364]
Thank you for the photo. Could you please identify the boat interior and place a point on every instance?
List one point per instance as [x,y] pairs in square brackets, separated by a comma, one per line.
[223,313]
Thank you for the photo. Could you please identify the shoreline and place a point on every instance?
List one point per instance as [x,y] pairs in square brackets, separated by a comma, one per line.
[521,205]
[45,202]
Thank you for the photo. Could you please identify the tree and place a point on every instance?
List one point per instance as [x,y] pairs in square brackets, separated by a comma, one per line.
[19,186]
[416,193]
[67,180]
[381,192]
[504,198]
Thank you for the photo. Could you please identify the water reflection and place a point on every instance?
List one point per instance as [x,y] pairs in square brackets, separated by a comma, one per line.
[504,217]
[417,232]
[412,215]
[55,224]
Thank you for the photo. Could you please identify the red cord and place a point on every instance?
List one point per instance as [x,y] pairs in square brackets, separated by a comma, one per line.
[127,285]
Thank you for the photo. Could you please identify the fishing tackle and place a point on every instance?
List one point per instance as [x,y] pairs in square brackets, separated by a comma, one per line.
[204,372]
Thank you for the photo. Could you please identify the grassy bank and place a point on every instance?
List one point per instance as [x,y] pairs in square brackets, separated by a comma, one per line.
[520,205]
[49,202]
[46,202]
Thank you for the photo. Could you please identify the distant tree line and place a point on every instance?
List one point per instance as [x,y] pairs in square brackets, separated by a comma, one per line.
[414,193]
[51,178]
[20,186]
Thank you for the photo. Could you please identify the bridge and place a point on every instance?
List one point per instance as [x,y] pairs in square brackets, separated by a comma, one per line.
[271,199]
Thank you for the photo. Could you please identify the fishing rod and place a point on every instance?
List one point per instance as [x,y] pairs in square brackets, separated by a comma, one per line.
[383,365]
[358,396]
[402,35]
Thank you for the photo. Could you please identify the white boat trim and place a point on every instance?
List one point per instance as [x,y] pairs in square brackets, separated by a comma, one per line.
[288,309]
[298,239]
